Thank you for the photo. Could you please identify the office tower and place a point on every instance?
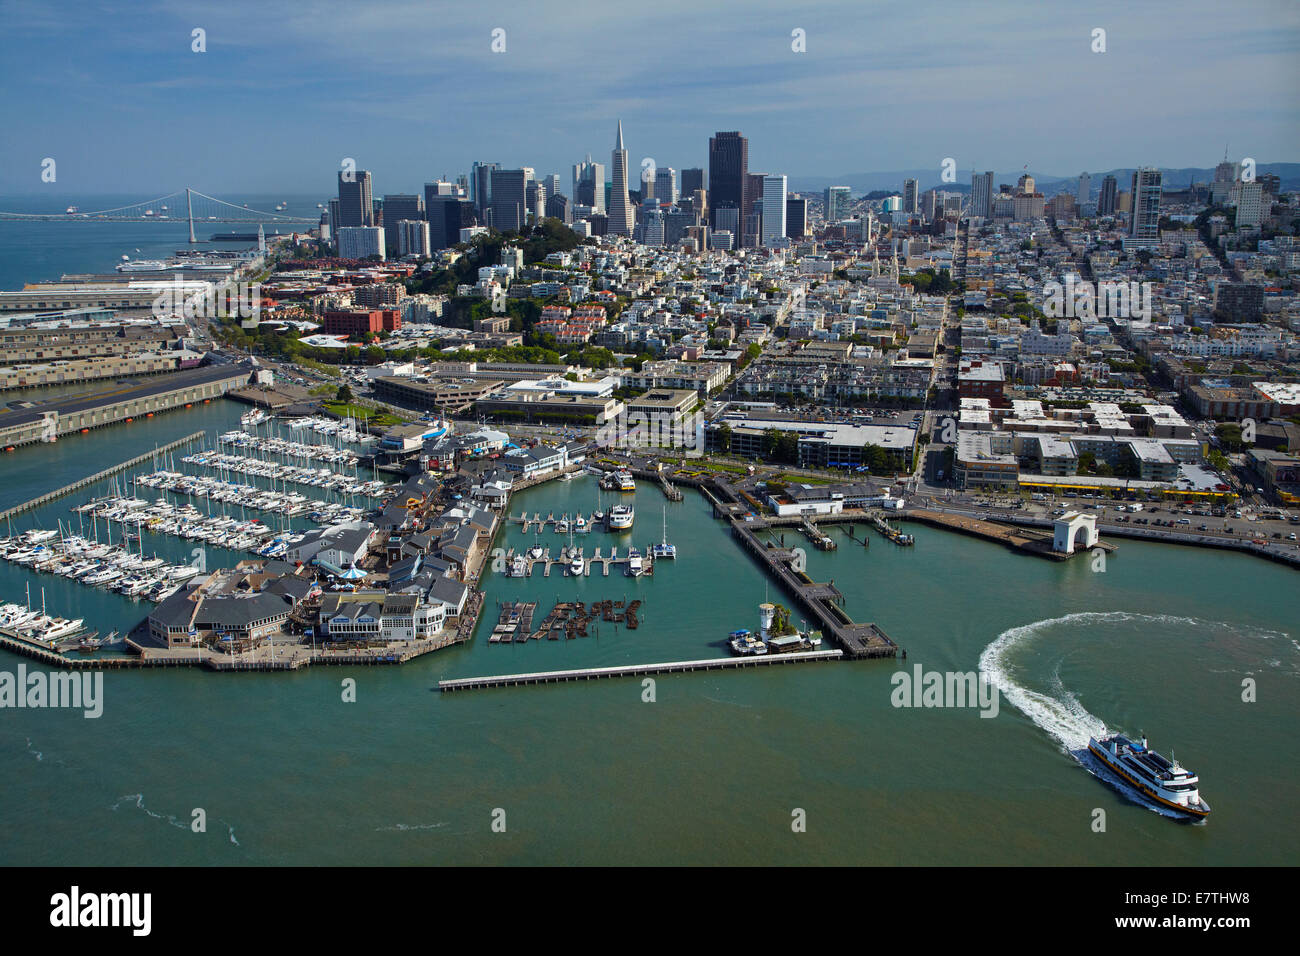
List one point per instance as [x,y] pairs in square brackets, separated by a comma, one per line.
[929,203]
[1107,199]
[480,187]
[666,185]
[646,190]
[398,207]
[1250,204]
[796,217]
[837,201]
[654,228]
[728,171]
[911,204]
[412,237]
[1085,189]
[676,223]
[1145,223]
[773,210]
[727,219]
[361,242]
[622,217]
[356,204]
[552,184]
[324,227]
[691,180]
[438,188]
[1124,201]
[1025,185]
[447,216]
[509,192]
[560,207]
[981,195]
[589,185]
[751,210]
[334,218]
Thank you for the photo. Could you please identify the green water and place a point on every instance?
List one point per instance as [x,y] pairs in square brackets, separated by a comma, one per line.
[711,771]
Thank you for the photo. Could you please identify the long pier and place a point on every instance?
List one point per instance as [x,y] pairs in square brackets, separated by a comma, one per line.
[633,670]
[99,476]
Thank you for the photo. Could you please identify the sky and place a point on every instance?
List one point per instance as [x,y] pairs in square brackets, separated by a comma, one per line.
[412,90]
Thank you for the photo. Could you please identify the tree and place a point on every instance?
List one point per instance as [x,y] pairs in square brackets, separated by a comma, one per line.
[344,394]
[724,438]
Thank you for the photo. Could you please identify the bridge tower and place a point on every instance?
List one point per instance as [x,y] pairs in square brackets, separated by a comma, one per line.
[189,209]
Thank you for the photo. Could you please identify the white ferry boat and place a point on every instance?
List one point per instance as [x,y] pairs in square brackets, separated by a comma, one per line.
[621,517]
[625,480]
[1163,781]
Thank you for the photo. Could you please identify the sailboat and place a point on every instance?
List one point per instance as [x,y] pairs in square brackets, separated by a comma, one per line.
[664,549]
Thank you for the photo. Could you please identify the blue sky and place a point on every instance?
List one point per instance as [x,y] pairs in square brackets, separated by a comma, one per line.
[412,90]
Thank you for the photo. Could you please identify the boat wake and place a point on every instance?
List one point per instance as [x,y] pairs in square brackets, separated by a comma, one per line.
[406,827]
[1058,712]
[137,800]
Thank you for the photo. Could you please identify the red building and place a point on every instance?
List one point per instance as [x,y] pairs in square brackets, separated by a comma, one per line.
[361,322]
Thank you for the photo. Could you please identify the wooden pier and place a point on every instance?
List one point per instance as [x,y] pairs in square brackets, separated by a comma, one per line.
[634,670]
[98,476]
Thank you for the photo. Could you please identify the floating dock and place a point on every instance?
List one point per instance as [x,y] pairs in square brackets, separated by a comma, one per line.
[634,670]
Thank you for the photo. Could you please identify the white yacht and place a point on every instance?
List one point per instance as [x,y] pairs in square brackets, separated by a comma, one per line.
[621,517]
[576,563]
[635,563]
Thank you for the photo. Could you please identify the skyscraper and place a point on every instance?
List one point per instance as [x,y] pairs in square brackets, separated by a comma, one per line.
[666,185]
[1145,223]
[911,202]
[480,187]
[837,203]
[1107,201]
[1085,189]
[796,217]
[692,179]
[1250,204]
[589,184]
[399,207]
[447,216]
[622,217]
[356,204]
[728,172]
[773,210]
[981,195]
[509,192]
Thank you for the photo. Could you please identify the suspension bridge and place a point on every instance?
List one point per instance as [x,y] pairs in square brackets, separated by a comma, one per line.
[181,206]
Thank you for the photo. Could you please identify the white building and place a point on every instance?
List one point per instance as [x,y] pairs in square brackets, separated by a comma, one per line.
[360,242]
[773,210]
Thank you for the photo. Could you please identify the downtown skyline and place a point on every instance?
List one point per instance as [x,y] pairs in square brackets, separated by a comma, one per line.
[872,91]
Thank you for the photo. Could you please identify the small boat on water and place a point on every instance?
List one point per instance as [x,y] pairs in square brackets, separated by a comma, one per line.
[576,563]
[635,563]
[621,517]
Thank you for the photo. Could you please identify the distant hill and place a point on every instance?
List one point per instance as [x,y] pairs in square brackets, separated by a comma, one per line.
[928,178]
